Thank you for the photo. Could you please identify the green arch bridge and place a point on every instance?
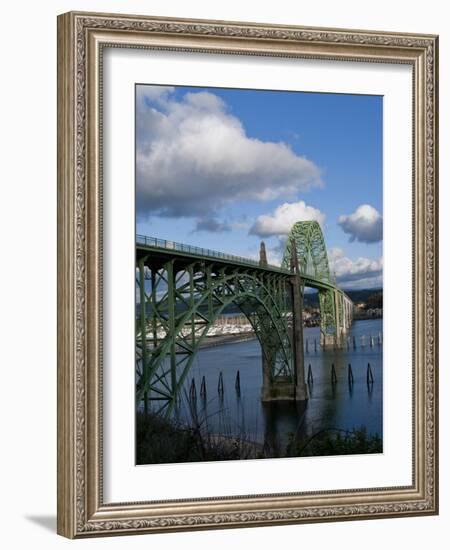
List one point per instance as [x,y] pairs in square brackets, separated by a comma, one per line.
[183,289]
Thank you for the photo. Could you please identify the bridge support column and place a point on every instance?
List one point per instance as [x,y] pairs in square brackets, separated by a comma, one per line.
[334,321]
[288,388]
[266,393]
[347,314]
[299,358]
[262,255]
[279,388]
[297,329]
[337,318]
[328,340]
[276,387]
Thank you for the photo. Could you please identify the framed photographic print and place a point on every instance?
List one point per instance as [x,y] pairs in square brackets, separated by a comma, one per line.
[247,285]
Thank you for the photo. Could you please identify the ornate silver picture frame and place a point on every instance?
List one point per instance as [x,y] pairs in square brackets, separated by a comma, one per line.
[83,510]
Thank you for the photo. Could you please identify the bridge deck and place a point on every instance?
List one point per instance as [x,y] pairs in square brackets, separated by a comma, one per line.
[162,249]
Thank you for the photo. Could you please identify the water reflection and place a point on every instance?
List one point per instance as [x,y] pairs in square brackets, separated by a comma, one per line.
[283,421]
[345,390]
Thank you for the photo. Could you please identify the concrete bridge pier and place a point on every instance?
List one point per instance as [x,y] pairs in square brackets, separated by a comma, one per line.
[337,318]
[280,388]
[284,388]
[343,314]
[301,393]
[328,341]
[348,313]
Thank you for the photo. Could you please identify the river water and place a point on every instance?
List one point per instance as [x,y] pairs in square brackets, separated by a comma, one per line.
[340,405]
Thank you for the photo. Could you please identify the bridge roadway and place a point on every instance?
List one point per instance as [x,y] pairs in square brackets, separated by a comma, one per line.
[161,248]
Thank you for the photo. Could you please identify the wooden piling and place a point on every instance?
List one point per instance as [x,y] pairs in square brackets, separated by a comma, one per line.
[193,391]
[350,374]
[369,374]
[333,374]
[220,383]
[237,384]
[310,375]
[203,388]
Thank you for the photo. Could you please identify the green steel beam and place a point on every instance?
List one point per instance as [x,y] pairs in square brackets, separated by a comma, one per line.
[143,324]
[189,291]
[312,256]
[185,307]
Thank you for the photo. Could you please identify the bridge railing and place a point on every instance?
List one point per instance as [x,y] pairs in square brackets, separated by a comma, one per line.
[190,249]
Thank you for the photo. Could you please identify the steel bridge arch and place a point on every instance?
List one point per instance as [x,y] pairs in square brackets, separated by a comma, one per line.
[193,298]
[311,250]
[313,260]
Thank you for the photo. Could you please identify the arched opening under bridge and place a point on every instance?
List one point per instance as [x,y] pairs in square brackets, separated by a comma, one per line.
[178,303]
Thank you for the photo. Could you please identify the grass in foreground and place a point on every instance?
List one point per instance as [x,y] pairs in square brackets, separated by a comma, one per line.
[160,441]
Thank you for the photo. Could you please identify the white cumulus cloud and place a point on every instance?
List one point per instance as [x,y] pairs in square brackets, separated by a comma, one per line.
[193,157]
[364,225]
[284,217]
[359,273]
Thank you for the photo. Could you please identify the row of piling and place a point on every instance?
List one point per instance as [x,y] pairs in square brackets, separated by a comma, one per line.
[350,342]
[220,387]
[369,375]
[310,380]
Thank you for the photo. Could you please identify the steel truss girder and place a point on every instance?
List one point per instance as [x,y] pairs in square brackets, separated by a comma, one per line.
[311,250]
[178,304]
[313,260]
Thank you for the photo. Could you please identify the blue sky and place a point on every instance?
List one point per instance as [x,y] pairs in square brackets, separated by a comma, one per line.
[227,168]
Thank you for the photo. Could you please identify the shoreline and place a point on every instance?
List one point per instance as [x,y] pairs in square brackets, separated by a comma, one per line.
[214,341]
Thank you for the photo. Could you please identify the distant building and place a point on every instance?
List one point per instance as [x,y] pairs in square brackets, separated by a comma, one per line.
[375,312]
